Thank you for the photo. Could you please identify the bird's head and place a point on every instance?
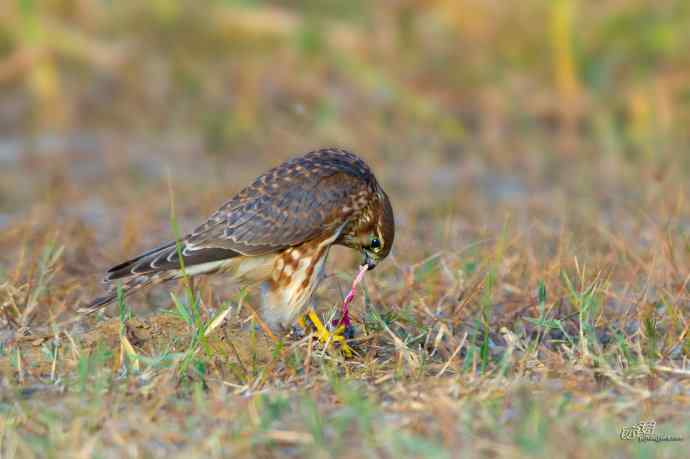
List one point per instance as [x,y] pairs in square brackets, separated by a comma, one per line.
[377,239]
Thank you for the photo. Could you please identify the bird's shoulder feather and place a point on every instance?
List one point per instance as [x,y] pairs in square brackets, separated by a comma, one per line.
[288,205]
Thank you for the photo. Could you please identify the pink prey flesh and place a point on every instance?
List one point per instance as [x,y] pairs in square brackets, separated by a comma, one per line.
[345,318]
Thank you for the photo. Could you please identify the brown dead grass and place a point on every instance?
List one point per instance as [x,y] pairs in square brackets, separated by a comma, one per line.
[537,298]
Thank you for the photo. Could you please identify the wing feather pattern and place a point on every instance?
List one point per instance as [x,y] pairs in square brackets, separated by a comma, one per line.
[285,207]
[302,199]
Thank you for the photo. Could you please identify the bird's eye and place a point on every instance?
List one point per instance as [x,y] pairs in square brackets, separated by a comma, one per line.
[375,245]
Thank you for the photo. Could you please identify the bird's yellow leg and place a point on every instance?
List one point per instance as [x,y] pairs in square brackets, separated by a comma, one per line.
[325,335]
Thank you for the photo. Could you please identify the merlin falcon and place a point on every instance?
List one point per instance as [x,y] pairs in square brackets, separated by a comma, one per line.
[277,233]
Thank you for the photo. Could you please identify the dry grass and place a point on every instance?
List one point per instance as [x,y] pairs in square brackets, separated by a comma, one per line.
[535,303]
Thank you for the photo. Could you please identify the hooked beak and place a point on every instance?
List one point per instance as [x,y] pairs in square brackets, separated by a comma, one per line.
[369,262]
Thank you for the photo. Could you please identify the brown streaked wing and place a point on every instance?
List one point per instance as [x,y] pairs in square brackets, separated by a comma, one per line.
[283,208]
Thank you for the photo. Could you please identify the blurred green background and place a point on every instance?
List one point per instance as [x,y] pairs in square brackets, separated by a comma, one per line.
[451,102]
[588,78]
[518,140]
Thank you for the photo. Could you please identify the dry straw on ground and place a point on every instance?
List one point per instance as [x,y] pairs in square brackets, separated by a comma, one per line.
[536,302]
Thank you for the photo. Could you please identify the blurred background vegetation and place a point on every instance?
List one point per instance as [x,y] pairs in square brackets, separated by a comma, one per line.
[465,105]
[588,78]
[523,144]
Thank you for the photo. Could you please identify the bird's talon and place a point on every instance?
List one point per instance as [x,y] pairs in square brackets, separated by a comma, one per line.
[327,337]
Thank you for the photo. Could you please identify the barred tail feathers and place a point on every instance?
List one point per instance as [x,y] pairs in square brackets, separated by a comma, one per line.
[129,286]
[157,266]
